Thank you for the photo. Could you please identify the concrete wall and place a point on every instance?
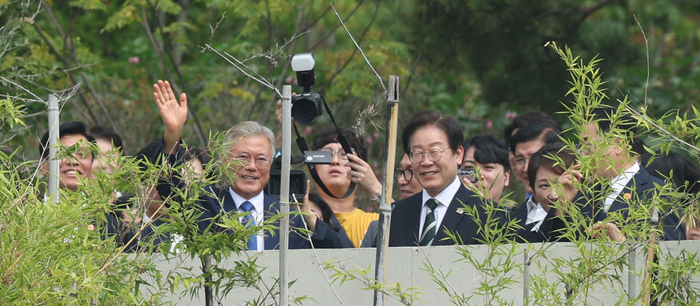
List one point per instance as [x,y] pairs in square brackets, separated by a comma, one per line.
[407,266]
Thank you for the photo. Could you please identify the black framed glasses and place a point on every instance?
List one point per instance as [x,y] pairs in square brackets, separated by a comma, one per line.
[407,174]
[434,155]
[341,153]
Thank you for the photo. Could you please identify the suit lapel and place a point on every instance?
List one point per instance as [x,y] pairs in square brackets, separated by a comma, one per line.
[413,224]
[636,186]
[227,203]
[452,218]
[271,207]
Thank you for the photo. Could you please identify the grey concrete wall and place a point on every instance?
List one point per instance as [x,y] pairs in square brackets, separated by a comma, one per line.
[408,266]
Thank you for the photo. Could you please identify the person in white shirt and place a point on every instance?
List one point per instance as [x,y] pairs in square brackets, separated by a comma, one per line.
[434,145]
[624,182]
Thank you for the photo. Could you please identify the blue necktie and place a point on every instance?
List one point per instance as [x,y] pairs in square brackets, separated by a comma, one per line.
[250,221]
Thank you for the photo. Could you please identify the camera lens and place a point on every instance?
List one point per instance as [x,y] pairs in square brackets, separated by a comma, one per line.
[304,110]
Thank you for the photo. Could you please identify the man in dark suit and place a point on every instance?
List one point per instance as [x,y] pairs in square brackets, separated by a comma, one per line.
[623,180]
[434,143]
[251,151]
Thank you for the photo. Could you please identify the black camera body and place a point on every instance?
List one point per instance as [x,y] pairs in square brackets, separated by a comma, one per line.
[306,106]
[297,178]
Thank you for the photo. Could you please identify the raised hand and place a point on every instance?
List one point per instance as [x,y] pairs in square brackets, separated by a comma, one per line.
[362,174]
[174,114]
[310,215]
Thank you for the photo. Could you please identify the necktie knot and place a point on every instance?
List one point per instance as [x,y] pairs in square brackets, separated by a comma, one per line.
[431,203]
[247,206]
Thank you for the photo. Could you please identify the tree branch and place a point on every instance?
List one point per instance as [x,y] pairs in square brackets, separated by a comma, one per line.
[154,43]
[322,39]
[362,37]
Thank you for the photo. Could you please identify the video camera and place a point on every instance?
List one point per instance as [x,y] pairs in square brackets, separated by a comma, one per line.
[307,105]
[297,178]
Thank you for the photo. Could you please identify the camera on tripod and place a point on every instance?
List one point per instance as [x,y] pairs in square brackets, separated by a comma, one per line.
[307,105]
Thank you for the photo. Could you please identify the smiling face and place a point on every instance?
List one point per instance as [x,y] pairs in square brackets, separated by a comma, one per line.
[108,153]
[75,167]
[521,159]
[494,178]
[593,145]
[334,176]
[434,176]
[411,187]
[251,165]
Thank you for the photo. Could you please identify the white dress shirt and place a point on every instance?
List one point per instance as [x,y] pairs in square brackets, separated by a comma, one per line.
[444,198]
[535,214]
[258,212]
[618,184]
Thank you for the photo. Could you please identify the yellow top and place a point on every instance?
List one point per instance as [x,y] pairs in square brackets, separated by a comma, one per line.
[355,224]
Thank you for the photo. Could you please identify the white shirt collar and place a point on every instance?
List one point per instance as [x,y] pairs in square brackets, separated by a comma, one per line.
[258,201]
[619,182]
[446,195]
[535,214]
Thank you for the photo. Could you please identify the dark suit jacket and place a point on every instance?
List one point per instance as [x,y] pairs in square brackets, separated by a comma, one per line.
[212,202]
[641,187]
[405,220]
[324,236]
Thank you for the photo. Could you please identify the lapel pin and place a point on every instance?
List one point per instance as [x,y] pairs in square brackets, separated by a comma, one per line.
[460,211]
[627,196]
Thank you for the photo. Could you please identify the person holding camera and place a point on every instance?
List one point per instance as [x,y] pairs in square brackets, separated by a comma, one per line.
[250,149]
[489,157]
[345,169]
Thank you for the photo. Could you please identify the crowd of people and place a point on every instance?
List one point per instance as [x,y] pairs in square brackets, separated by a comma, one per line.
[449,186]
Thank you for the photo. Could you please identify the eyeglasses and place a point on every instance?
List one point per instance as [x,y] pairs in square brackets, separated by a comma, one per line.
[520,160]
[434,155]
[407,174]
[261,162]
[341,153]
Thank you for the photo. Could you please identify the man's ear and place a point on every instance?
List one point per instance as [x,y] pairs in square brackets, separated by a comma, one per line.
[459,155]
[506,176]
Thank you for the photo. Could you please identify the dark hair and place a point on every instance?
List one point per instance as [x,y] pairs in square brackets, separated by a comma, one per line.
[531,117]
[66,129]
[684,170]
[447,124]
[101,132]
[550,156]
[488,150]
[326,211]
[533,132]
[330,135]
[624,123]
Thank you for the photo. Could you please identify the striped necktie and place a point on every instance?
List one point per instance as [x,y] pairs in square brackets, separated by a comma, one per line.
[429,224]
[250,221]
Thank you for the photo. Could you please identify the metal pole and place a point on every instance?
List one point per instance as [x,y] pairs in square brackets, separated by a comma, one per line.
[392,119]
[284,192]
[54,163]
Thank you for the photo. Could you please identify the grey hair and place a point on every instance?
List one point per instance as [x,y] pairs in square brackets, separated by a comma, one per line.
[249,129]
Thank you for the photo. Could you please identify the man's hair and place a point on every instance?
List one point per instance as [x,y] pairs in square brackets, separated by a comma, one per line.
[249,129]
[66,129]
[447,124]
[488,150]
[330,135]
[684,170]
[101,132]
[554,156]
[533,132]
[531,117]
[624,123]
